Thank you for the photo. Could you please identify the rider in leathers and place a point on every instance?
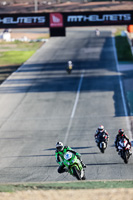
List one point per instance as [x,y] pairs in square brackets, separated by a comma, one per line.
[99,131]
[59,154]
[119,136]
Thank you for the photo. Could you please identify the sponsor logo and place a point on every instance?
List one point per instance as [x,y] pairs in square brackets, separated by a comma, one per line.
[23,20]
[97,18]
[56,20]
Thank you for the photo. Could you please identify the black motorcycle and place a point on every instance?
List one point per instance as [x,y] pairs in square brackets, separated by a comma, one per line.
[102,140]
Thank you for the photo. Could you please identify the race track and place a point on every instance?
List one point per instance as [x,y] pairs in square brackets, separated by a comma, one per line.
[41,104]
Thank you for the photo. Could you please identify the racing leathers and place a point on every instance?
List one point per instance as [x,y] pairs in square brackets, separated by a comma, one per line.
[60,158]
[118,138]
[97,135]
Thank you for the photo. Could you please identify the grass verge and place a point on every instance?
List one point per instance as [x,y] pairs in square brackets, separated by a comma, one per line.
[15,57]
[66,185]
[123,48]
[16,53]
[130,101]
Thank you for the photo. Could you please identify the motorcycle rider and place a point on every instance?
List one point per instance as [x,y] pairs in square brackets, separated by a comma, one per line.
[100,130]
[59,154]
[97,32]
[69,66]
[119,136]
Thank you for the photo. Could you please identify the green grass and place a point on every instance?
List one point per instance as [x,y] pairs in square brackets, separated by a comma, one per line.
[123,48]
[66,185]
[15,57]
[130,101]
[16,53]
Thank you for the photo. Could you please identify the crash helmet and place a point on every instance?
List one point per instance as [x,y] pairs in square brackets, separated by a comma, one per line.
[101,128]
[70,62]
[59,146]
[120,131]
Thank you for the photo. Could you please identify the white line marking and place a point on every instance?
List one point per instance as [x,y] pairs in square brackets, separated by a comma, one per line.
[68,130]
[77,96]
[74,107]
[122,91]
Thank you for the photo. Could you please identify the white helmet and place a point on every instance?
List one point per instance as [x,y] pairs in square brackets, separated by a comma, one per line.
[101,128]
[59,146]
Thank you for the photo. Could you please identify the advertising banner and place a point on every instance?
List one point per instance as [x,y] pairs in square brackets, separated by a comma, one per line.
[66,19]
[26,20]
[98,18]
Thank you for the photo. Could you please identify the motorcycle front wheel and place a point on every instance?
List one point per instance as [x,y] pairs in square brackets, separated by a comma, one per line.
[102,148]
[76,173]
[126,156]
[84,178]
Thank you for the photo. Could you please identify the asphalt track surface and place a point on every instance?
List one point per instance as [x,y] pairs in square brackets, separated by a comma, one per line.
[41,104]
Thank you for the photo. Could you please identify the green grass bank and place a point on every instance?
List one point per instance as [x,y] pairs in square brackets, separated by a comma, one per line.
[66,185]
[16,53]
[123,48]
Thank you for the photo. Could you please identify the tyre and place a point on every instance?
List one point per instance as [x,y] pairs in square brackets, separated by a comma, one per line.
[84,178]
[102,149]
[76,173]
[126,156]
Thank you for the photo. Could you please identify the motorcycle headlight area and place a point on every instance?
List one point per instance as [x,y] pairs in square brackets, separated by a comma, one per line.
[68,156]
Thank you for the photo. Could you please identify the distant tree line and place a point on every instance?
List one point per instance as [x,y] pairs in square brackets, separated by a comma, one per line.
[54,1]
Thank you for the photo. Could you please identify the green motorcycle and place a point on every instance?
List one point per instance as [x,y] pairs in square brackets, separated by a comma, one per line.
[74,166]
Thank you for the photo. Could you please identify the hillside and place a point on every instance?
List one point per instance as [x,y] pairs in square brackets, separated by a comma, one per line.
[22,6]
